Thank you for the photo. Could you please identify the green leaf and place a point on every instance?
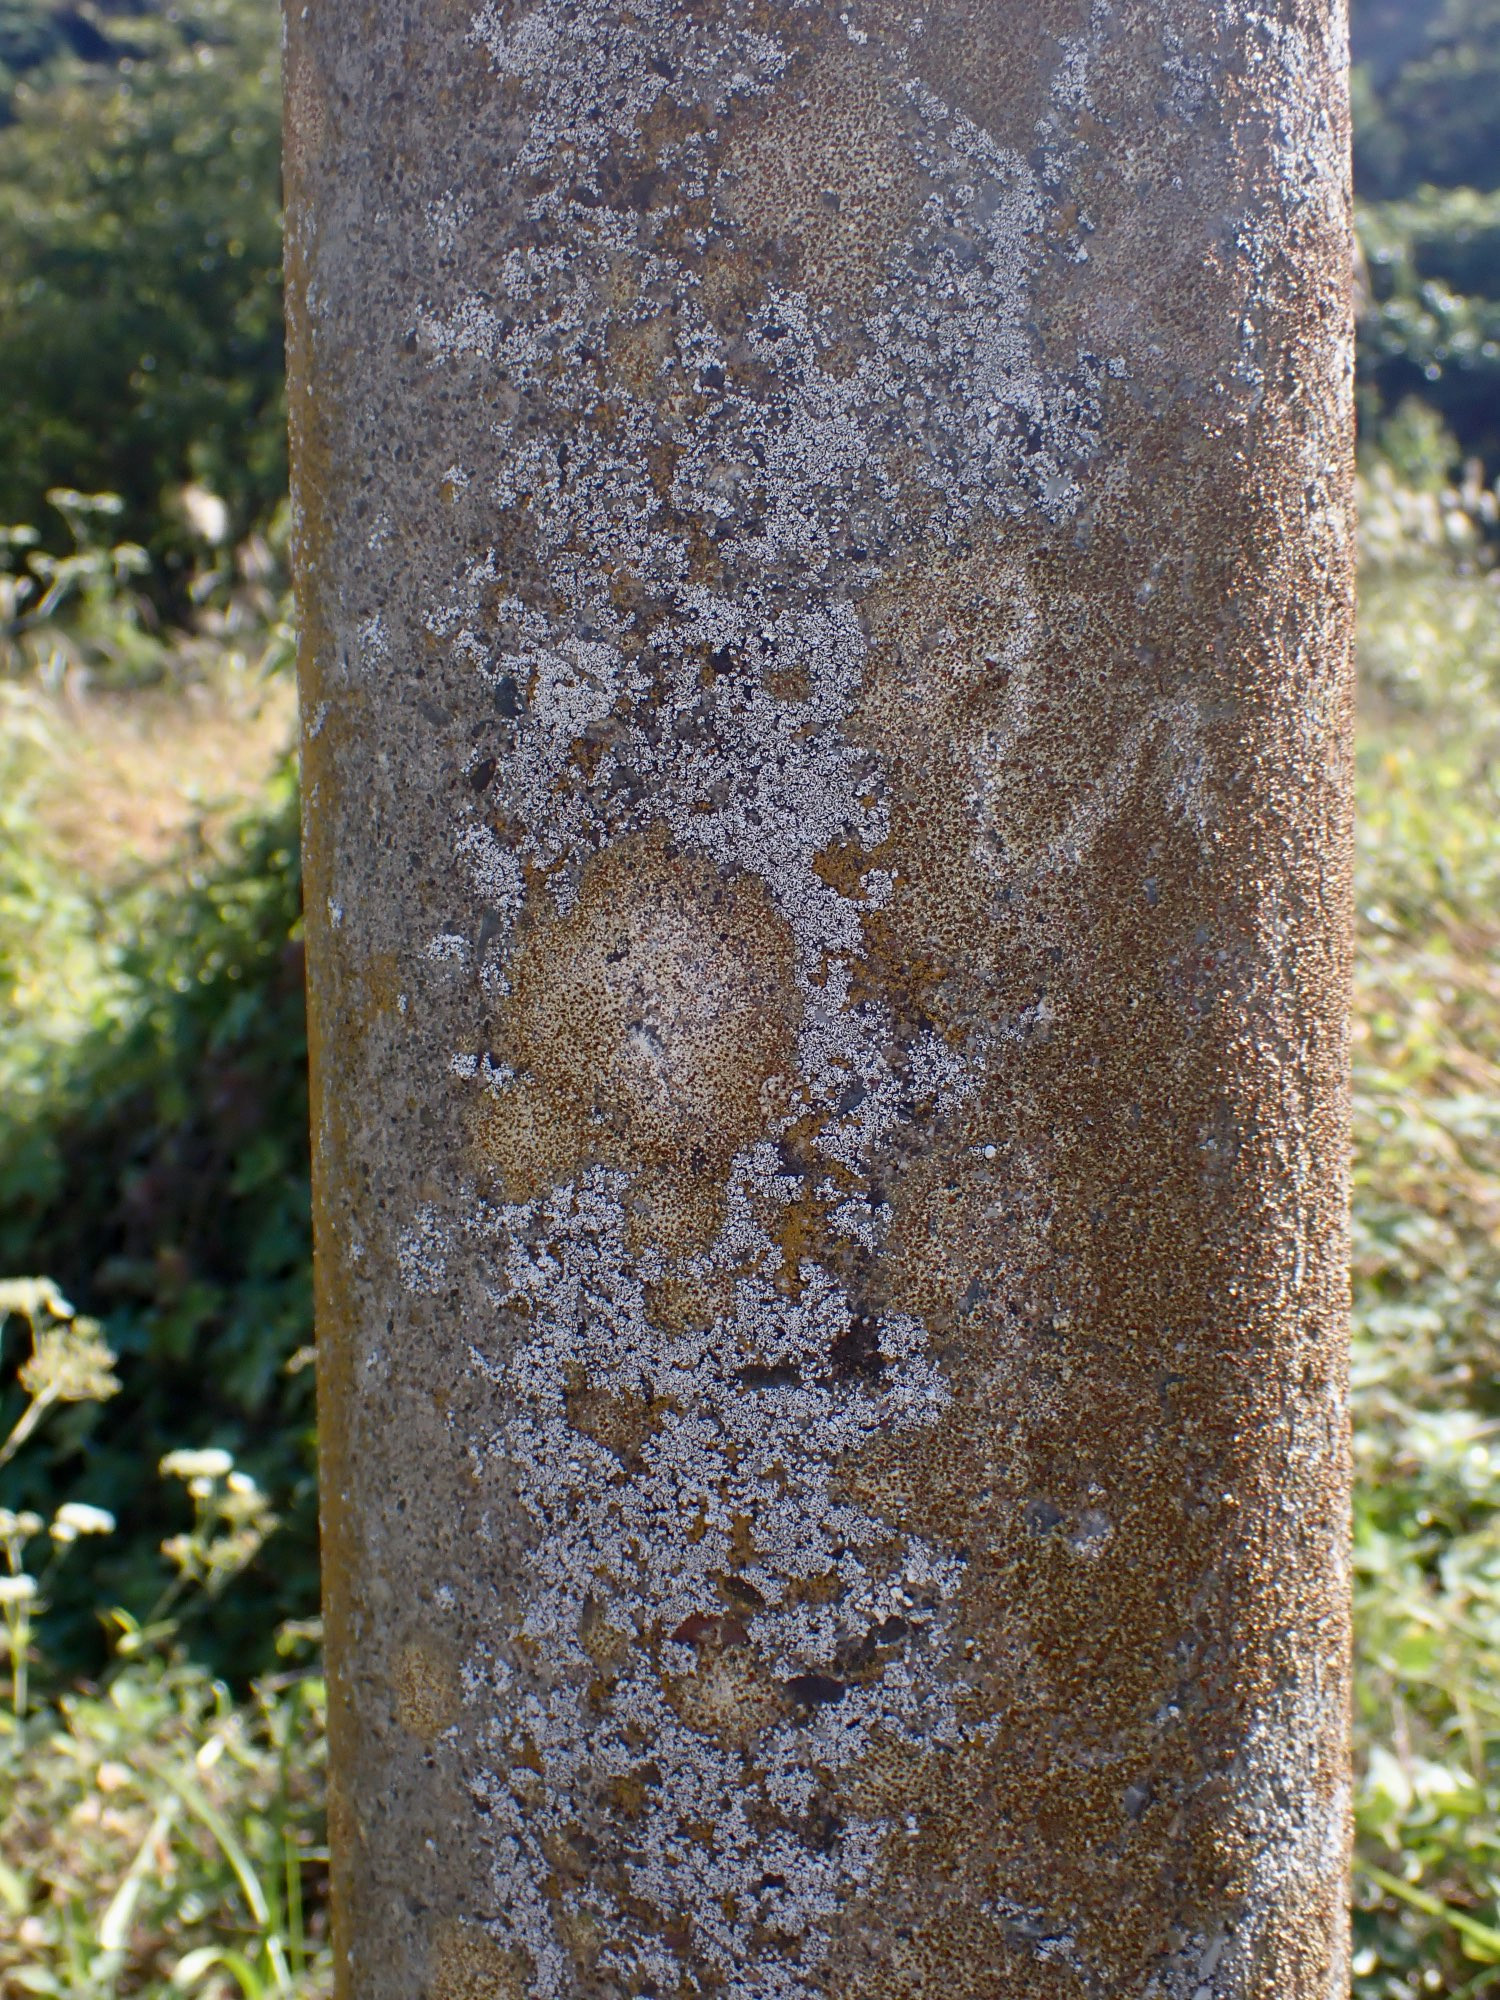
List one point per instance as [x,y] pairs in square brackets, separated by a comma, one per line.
[1483,1937]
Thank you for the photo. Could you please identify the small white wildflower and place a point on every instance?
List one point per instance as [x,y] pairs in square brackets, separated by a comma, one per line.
[31,1297]
[79,1518]
[17,1589]
[208,1464]
[205,514]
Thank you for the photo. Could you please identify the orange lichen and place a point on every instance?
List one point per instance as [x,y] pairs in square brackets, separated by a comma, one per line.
[426,1687]
[652,1028]
[468,1965]
[826,174]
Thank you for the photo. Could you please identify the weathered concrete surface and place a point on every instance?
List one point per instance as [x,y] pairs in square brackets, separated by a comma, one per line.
[824,558]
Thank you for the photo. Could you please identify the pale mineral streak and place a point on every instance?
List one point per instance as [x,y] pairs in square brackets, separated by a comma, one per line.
[823,555]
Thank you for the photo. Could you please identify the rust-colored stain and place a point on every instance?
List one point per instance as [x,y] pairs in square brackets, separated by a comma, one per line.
[824,560]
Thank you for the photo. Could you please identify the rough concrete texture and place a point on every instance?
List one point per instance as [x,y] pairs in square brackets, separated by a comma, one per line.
[824,558]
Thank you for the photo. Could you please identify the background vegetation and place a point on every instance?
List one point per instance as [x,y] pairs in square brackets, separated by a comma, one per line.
[140,252]
[161,1712]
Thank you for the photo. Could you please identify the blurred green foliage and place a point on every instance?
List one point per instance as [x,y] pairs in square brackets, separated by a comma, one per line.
[1427,74]
[153,1156]
[1427,170]
[140,289]
[1431,326]
[1427,1265]
[37,36]
[162,1838]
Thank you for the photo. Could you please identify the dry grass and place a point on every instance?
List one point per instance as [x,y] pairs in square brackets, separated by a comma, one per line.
[119,781]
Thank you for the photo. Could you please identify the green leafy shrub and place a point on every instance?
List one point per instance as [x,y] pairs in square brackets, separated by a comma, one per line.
[140,277]
[153,1147]
[1431,328]
[63,613]
[1428,173]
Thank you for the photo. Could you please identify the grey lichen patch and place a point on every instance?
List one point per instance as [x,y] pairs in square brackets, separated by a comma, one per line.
[840,774]
[742,1634]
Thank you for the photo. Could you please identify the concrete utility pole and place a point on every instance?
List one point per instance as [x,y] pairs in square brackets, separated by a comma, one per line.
[824,569]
